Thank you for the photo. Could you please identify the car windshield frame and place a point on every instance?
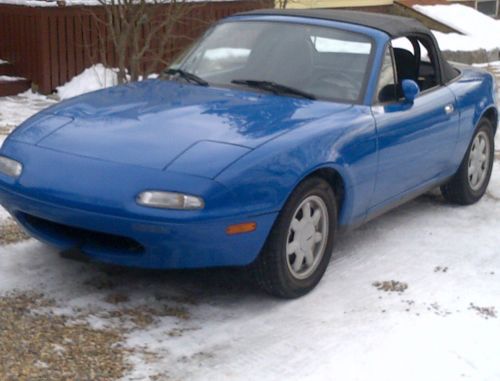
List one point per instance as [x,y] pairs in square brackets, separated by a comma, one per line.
[180,61]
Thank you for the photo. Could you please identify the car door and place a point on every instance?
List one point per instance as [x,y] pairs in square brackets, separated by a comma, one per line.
[416,141]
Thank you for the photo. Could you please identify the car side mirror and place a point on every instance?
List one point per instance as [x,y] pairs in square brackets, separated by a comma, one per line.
[410,90]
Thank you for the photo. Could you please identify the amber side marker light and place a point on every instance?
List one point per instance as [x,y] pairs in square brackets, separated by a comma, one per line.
[245,227]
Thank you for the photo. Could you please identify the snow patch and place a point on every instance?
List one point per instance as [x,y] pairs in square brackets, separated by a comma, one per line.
[462,18]
[481,31]
[16,109]
[233,332]
[91,79]
[8,78]
[3,213]
[461,43]
[495,64]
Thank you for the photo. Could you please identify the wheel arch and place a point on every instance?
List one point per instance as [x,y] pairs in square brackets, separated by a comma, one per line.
[491,114]
[339,180]
[334,179]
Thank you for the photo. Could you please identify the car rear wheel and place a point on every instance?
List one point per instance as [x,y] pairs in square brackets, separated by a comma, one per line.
[470,182]
[300,244]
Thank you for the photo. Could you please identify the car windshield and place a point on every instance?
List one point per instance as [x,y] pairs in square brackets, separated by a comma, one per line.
[285,58]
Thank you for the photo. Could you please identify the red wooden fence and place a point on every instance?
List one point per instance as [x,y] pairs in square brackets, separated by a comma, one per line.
[50,45]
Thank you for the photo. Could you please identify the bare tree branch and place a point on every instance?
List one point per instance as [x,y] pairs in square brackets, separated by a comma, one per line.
[139,37]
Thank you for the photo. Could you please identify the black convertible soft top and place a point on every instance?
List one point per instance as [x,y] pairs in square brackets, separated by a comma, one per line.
[394,26]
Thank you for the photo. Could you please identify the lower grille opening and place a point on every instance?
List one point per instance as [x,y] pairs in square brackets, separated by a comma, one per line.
[85,238]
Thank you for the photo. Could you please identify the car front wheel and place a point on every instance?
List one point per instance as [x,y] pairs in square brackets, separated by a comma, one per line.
[300,244]
[472,178]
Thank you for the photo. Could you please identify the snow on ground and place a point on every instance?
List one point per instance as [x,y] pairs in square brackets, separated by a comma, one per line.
[3,214]
[16,109]
[462,43]
[480,31]
[93,78]
[443,326]
[8,78]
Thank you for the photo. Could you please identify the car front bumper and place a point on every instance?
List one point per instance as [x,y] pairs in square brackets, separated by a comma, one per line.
[74,202]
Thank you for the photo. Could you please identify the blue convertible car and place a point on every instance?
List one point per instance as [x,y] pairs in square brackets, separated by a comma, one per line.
[274,131]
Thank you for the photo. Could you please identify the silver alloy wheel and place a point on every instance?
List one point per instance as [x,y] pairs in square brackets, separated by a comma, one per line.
[479,160]
[307,237]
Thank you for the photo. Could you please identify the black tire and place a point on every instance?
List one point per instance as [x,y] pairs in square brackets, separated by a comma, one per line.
[459,190]
[272,270]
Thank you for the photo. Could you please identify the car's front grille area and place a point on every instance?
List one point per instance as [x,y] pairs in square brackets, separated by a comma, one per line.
[93,240]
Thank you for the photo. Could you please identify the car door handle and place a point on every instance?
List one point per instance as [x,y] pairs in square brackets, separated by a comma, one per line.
[449,109]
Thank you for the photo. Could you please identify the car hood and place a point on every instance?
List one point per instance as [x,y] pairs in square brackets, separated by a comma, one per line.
[166,124]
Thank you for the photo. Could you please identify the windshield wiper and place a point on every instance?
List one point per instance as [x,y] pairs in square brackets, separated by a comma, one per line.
[273,87]
[190,77]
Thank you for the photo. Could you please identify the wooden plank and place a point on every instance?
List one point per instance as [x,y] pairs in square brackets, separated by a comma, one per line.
[110,56]
[87,49]
[8,41]
[63,49]
[93,42]
[54,51]
[70,46]
[11,55]
[16,41]
[3,32]
[42,69]
[79,48]
[26,42]
[29,48]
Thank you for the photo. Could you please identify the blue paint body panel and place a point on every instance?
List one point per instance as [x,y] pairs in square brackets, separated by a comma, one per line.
[86,159]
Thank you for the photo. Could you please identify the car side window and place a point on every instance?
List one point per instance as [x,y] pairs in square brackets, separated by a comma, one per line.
[415,60]
[386,88]
[427,69]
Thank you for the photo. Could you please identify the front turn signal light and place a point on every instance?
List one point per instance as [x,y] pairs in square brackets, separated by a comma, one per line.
[246,227]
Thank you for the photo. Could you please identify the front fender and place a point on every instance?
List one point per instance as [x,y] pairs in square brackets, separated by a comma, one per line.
[346,142]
